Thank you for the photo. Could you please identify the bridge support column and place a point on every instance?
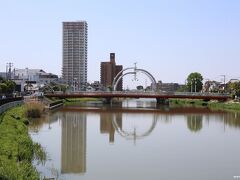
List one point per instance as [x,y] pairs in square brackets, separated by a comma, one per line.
[108,100]
[162,101]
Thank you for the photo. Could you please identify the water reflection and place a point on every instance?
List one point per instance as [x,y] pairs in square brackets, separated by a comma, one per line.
[112,120]
[194,122]
[133,135]
[106,125]
[160,131]
[232,119]
[73,156]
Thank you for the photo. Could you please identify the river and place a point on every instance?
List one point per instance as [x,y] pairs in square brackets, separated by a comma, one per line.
[137,140]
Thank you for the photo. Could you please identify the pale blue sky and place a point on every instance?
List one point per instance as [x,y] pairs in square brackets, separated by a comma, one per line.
[169,38]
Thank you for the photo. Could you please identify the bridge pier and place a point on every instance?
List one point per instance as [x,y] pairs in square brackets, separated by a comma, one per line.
[108,100]
[162,101]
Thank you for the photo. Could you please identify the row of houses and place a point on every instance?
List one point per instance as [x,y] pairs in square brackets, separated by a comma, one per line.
[215,86]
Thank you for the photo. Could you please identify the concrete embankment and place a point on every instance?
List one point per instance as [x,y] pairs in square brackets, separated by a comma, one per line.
[48,103]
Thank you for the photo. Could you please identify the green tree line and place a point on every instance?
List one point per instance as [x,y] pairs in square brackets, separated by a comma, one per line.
[6,86]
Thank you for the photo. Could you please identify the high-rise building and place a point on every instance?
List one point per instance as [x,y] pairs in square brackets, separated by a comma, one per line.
[74,65]
[108,71]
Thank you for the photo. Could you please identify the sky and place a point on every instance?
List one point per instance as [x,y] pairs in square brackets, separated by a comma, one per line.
[168,38]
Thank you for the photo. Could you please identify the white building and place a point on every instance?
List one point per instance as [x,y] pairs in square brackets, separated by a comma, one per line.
[32,79]
[37,75]
[74,64]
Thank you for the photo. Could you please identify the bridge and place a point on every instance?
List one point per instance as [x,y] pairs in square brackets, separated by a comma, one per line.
[161,97]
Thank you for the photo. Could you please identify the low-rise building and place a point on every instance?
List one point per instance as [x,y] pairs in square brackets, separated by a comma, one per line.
[32,79]
[167,87]
[38,75]
[212,86]
[3,75]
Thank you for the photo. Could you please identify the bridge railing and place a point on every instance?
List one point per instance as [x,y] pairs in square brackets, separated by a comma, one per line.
[200,94]
[146,93]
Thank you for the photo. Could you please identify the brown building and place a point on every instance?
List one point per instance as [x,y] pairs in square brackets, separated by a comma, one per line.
[108,71]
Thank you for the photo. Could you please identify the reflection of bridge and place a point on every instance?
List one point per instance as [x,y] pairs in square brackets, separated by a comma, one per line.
[160,96]
[133,135]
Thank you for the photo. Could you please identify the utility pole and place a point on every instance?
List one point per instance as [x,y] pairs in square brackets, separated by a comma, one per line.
[224,82]
[195,85]
[135,68]
[9,70]
[145,83]
[191,86]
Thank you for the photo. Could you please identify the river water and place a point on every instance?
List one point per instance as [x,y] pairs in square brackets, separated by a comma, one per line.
[137,140]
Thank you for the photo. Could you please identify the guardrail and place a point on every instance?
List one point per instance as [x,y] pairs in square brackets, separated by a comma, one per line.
[7,100]
[145,93]
[9,105]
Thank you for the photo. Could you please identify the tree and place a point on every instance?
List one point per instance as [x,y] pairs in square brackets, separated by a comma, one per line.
[140,87]
[234,88]
[10,86]
[194,123]
[1,79]
[194,82]
[3,88]
[64,87]
[183,88]
[109,88]
[7,87]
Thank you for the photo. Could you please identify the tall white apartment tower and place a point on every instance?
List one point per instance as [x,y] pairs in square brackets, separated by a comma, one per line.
[74,64]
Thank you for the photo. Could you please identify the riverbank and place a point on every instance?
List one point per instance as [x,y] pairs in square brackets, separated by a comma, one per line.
[74,101]
[228,105]
[17,150]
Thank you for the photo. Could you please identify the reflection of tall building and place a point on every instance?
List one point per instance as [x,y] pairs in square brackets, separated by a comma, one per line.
[106,124]
[73,143]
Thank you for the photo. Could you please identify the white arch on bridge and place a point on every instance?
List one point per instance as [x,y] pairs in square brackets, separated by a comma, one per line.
[121,74]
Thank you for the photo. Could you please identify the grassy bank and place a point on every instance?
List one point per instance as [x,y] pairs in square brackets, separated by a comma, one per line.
[16,147]
[225,106]
[229,105]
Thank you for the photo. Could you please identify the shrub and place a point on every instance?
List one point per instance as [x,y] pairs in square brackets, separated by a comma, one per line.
[34,110]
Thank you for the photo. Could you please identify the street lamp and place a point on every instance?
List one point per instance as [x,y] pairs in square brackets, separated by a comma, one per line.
[74,84]
[224,82]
